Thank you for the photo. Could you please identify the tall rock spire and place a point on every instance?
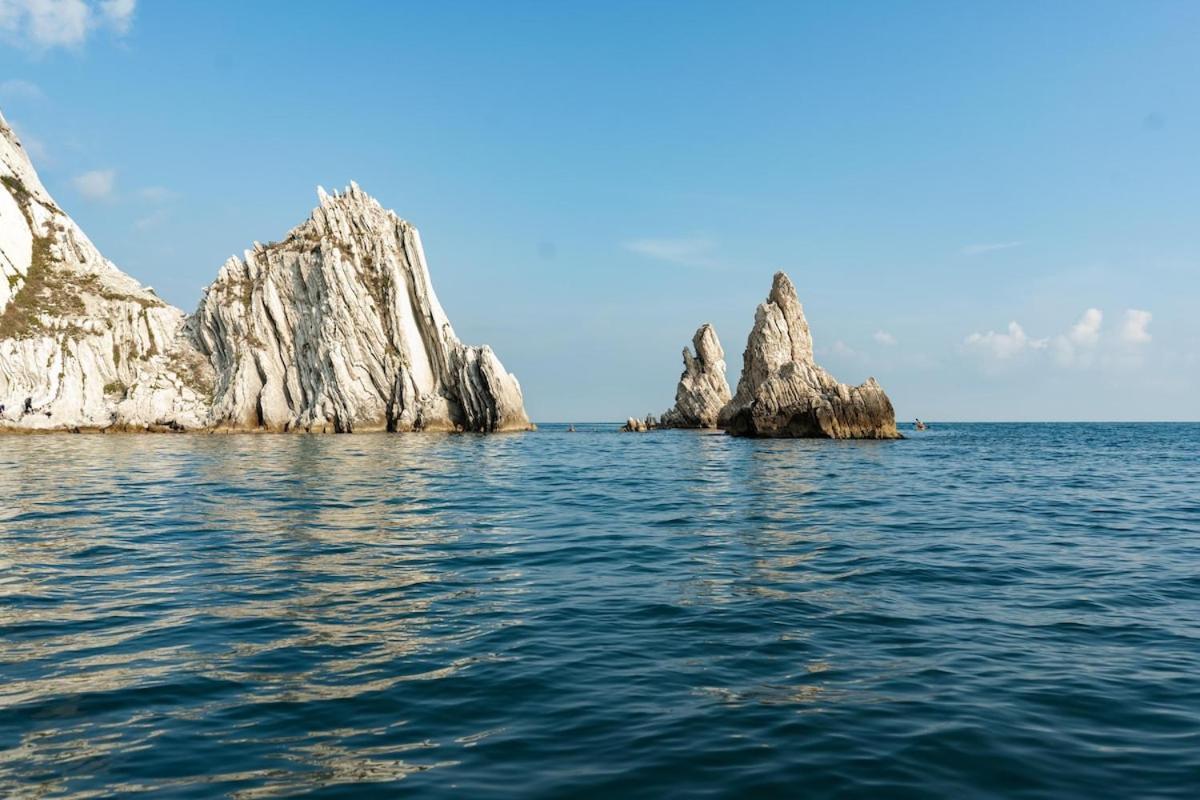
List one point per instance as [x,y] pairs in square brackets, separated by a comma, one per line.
[703,389]
[783,393]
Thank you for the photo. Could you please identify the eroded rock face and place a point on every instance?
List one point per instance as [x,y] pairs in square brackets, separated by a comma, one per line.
[783,393]
[703,389]
[81,343]
[337,328]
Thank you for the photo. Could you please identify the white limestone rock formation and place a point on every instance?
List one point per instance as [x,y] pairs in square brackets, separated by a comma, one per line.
[635,425]
[82,344]
[337,328]
[703,389]
[783,393]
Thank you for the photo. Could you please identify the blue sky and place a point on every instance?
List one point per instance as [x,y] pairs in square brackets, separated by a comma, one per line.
[992,208]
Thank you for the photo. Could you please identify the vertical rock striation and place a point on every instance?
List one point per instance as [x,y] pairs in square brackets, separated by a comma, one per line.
[783,393]
[337,328]
[77,334]
[703,389]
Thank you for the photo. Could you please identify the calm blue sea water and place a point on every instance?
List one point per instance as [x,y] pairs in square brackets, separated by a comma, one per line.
[977,611]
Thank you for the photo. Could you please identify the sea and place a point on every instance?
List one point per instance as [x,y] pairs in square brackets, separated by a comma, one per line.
[977,611]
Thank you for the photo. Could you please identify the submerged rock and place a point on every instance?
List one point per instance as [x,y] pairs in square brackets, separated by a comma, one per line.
[336,328]
[783,393]
[703,389]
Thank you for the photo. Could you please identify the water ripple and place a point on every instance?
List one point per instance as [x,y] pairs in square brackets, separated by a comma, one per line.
[980,610]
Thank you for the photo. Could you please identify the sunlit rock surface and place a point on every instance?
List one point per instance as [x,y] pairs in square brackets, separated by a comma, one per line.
[336,328]
[82,345]
[783,393]
[703,389]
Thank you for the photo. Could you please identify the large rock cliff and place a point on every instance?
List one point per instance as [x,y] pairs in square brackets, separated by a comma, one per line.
[703,389]
[783,393]
[336,328]
[77,334]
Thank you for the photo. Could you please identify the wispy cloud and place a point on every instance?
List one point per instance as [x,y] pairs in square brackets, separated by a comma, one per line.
[156,194]
[884,338]
[988,247]
[151,220]
[45,24]
[97,184]
[692,251]
[18,89]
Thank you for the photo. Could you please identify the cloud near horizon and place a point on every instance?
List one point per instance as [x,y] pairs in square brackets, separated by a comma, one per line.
[1133,329]
[44,24]
[1083,345]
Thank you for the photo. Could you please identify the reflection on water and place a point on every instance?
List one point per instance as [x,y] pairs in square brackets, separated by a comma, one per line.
[977,609]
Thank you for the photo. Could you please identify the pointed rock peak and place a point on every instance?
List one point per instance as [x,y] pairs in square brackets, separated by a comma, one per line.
[702,389]
[788,314]
[782,392]
[322,195]
[707,345]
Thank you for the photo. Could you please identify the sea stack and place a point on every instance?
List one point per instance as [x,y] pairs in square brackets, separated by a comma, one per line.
[703,389]
[336,328]
[783,393]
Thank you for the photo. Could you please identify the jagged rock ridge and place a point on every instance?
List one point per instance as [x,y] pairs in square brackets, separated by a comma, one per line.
[703,389]
[783,393]
[336,328]
[82,344]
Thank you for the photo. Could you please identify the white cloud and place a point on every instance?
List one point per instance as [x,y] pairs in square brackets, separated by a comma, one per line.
[1086,332]
[156,194]
[118,13]
[693,251]
[1084,345]
[151,220]
[843,350]
[1005,345]
[884,338]
[97,184]
[62,23]
[980,249]
[1133,329]
[15,88]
